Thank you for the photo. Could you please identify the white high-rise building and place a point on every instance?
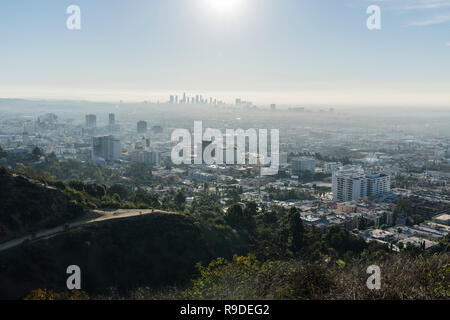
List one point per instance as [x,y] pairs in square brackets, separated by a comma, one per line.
[378,184]
[351,183]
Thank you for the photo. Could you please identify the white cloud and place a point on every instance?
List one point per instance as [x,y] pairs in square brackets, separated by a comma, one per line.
[412,4]
[448,44]
[406,5]
[435,20]
[426,4]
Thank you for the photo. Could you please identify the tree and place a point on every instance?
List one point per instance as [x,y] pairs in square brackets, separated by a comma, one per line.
[238,218]
[52,158]
[96,190]
[234,215]
[37,154]
[251,208]
[138,171]
[121,190]
[292,230]
[29,171]
[404,206]
[77,185]
[60,185]
[180,200]
[3,153]
[362,223]
[151,200]
[116,197]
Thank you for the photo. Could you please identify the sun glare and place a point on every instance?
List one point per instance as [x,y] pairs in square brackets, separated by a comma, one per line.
[224,7]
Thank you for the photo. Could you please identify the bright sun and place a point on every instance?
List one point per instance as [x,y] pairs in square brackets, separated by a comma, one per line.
[224,7]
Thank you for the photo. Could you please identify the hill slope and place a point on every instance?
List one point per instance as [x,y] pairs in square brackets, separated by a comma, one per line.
[29,205]
[154,250]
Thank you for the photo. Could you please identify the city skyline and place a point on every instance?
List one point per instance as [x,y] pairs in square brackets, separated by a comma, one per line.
[284,52]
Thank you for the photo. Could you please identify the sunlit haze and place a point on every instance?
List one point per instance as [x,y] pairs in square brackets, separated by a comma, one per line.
[283,51]
[224,7]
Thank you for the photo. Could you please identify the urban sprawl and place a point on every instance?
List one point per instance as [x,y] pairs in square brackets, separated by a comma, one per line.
[386,182]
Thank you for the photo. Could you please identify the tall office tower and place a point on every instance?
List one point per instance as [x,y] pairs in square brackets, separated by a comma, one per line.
[351,183]
[112,120]
[172,99]
[176,99]
[197,99]
[184,98]
[238,102]
[215,101]
[210,100]
[142,127]
[91,121]
[303,164]
[273,107]
[106,148]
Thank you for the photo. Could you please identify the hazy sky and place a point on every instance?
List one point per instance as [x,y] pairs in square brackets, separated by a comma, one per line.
[266,51]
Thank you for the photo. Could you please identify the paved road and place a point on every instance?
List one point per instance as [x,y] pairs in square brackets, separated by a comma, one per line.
[98,215]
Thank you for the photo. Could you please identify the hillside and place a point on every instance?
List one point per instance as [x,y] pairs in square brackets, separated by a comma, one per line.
[155,255]
[155,250]
[29,205]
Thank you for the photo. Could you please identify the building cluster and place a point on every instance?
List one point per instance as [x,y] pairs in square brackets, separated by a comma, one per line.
[137,147]
[197,99]
[352,183]
[425,235]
